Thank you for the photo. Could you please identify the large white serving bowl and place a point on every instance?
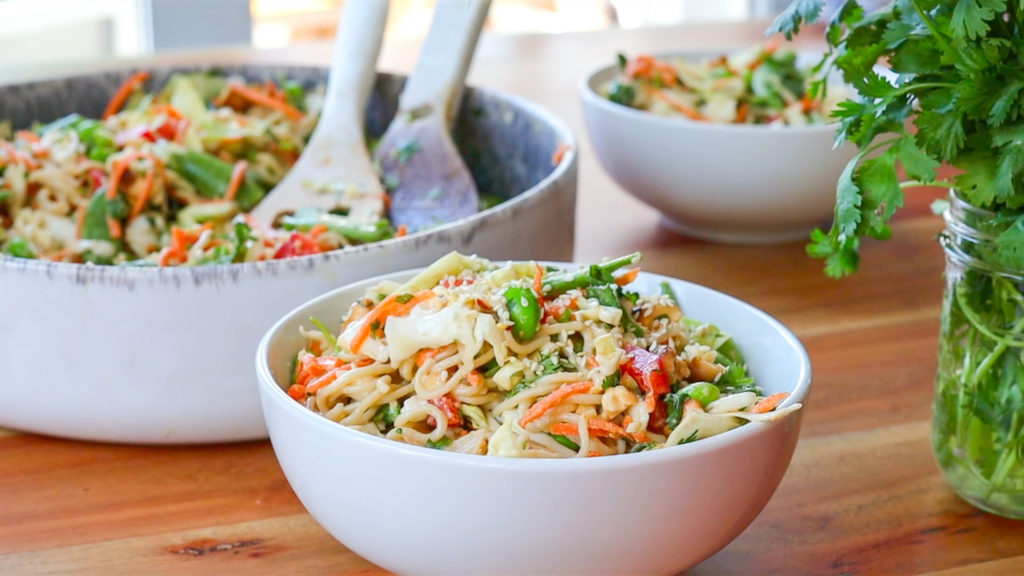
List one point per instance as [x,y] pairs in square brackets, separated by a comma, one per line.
[164,355]
[719,182]
[414,510]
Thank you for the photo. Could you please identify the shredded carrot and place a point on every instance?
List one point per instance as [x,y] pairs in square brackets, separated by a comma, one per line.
[426,354]
[402,231]
[27,136]
[16,155]
[167,109]
[626,421]
[559,153]
[769,48]
[592,362]
[265,100]
[297,392]
[538,283]
[273,91]
[807,104]
[237,175]
[317,231]
[742,112]
[687,111]
[768,404]
[542,406]
[59,255]
[641,66]
[122,165]
[599,429]
[147,191]
[169,255]
[666,73]
[80,221]
[628,277]
[476,379]
[114,227]
[388,307]
[326,379]
[123,92]
[385,199]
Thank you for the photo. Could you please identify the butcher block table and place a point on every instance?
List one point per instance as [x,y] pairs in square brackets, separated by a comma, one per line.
[862,496]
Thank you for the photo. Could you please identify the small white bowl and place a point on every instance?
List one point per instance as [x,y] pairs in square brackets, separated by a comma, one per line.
[414,510]
[720,182]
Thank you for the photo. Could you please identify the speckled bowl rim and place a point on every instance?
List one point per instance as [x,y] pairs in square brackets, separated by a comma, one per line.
[179,274]
[590,96]
[271,392]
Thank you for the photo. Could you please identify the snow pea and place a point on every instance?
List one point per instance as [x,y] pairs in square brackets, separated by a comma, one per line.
[524,311]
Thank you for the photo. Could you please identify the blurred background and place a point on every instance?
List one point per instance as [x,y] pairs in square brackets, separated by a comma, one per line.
[34,33]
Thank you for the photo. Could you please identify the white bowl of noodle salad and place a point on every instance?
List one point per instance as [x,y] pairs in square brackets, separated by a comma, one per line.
[728,147]
[523,418]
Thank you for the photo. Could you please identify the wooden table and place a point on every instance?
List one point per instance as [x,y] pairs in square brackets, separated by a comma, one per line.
[862,496]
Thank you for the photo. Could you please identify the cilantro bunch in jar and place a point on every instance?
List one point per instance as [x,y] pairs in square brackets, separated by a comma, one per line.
[940,84]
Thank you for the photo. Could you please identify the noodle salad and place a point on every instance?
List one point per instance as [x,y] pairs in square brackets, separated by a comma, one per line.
[520,360]
[763,85]
[165,178]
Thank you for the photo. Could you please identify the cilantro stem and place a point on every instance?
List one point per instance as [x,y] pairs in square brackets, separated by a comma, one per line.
[931,28]
[911,87]
[915,183]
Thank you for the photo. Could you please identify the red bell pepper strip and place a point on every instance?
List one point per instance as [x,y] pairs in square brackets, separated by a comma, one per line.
[648,369]
[450,407]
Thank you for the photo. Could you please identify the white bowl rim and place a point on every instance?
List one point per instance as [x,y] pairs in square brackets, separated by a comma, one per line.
[270,389]
[564,135]
[590,96]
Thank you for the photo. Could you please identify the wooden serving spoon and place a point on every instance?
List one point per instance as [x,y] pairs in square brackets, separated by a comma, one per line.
[430,183]
[335,170]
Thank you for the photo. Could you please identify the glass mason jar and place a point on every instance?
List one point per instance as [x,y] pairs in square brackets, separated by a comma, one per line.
[978,419]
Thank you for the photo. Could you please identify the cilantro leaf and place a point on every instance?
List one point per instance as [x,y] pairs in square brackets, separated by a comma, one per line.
[970,17]
[797,13]
[848,200]
[915,162]
[877,180]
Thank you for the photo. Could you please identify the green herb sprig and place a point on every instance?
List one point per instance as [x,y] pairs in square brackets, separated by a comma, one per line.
[951,69]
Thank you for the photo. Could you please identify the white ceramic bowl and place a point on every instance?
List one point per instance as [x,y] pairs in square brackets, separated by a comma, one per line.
[720,182]
[414,510]
[151,355]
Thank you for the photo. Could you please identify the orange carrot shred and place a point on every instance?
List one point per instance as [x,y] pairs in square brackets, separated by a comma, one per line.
[27,136]
[387,307]
[80,221]
[297,392]
[237,175]
[123,92]
[147,191]
[317,231]
[628,277]
[687,111]
[261,99]
[542,406]
[426,354]
[402,231]
[768,404]
[559,153]
[114,227]
[641,66]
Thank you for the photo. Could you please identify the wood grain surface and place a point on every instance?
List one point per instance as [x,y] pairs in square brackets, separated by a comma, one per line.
[862,496]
